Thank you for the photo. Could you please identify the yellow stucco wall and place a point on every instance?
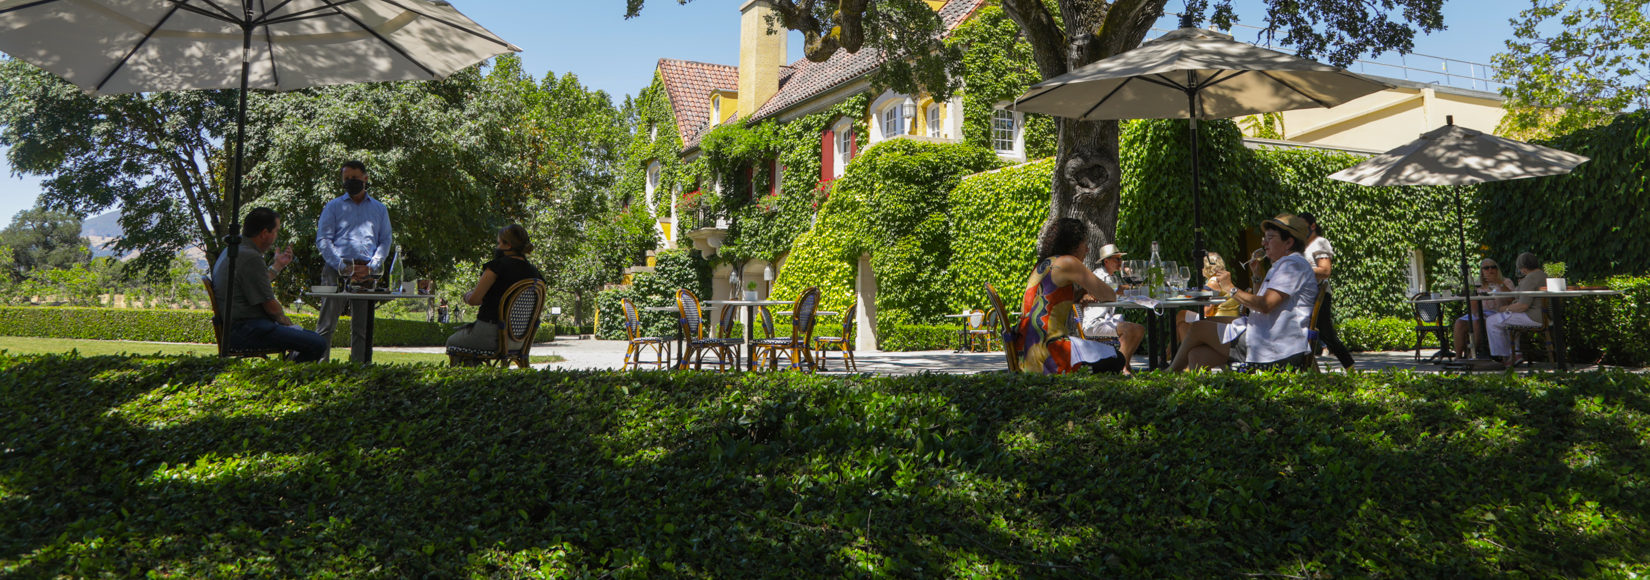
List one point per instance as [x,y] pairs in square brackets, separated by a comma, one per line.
[1390,118]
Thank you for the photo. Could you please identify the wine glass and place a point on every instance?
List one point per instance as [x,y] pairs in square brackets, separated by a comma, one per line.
[1186,277]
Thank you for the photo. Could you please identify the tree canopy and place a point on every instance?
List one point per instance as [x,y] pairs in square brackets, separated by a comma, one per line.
[1574,64]
[42,239]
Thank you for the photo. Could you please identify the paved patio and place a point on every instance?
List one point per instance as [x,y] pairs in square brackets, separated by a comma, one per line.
[609,354]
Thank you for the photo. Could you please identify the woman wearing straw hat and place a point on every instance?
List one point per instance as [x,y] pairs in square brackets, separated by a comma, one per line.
[1273,335]
[1104,321]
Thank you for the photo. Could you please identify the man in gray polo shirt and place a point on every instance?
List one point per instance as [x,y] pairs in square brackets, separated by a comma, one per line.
[257,319]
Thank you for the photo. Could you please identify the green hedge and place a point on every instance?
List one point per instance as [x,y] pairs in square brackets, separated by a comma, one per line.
[195,326]
[1364,334]
[196,467]
[1593,219]
[915,337]
[1616,329]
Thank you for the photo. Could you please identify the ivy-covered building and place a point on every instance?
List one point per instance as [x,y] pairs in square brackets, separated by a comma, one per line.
[754,168]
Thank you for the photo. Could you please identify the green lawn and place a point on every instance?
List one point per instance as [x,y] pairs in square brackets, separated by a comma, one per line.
[23,345]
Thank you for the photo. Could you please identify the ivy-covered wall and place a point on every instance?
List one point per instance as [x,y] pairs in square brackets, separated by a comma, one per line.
[997,67]
[1594,219]
[994,222]
[656,139]
[891,204]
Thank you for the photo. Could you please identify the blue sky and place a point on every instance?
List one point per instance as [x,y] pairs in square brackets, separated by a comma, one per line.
[591,39]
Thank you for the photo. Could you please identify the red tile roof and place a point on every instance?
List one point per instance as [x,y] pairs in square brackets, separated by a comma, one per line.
[808,79]
[689,85]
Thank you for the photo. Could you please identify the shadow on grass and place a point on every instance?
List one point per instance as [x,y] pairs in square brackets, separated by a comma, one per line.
[195,466]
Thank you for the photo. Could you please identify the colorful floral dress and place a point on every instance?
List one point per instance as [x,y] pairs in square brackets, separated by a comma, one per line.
[1045,344]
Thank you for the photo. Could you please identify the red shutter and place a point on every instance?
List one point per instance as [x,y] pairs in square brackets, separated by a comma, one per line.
[853,144]
[827,155]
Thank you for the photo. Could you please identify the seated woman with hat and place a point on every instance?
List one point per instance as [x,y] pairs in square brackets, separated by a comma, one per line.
[1104,321]
[1274,334]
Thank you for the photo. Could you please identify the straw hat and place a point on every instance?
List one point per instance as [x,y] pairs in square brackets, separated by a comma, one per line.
[1110,250]
[1294,224]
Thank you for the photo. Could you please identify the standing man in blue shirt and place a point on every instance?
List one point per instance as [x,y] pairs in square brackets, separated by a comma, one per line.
[354,240]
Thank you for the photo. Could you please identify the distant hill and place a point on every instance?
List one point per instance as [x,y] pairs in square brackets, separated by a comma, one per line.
[104,226]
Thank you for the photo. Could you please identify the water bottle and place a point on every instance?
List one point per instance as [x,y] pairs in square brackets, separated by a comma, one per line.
[1154,274]
[396,270]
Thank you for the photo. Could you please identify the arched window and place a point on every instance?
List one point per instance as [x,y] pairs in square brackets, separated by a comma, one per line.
[933,114]
[844,145]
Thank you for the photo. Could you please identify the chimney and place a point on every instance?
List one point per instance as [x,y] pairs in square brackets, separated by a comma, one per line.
[760,56]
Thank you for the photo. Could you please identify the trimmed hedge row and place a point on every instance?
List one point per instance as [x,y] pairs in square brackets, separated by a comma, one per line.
[196,326]
[197,467]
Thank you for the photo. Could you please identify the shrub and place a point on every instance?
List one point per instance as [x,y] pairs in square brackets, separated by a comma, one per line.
[914,337]
[195,326]
[197,467]
[1364,334]
[1616,329]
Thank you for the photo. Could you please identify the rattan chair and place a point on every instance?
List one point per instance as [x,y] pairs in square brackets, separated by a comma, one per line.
[224,350]
[640,344]
[844,343]
[1429,320]
[796,347]
[519,311]
[977,334]
[1010,335]
[693,332]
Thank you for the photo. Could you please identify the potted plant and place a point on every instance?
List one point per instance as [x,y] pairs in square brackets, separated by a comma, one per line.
[1555,277]
[750,291]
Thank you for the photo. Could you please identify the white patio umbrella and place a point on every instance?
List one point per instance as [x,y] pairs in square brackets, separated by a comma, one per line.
[133,46]
[1457,156]
[1193,73]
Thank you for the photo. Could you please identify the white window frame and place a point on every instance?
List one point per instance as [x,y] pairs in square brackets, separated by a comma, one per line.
[715,109]
[1014,147]
[778,184]
[653,170]
[652,131]
[844,130]
[934,120]
[893,120]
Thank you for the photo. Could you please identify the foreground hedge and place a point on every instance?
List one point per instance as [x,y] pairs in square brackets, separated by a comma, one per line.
[196,467]
[196,326]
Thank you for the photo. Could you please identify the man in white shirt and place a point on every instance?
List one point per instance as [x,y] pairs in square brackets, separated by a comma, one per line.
[1104,321]
[1280,311]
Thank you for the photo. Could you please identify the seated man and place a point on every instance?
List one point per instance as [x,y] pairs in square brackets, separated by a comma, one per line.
[1104,321]
[1525,311]
[1273,335]
[256,319]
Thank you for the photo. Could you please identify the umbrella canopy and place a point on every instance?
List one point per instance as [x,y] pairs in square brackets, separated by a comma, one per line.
[1452,155]
[1193,73]
[1457,156]
[1229,78]
[130,46]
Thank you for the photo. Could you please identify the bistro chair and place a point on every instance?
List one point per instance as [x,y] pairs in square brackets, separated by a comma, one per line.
[844,343]
[519,311]
[1429,319]
[224,350]
[1517,332]
[1011,335]
[796,347]
[693,331]
[765,317]
[977,335]
[640,344]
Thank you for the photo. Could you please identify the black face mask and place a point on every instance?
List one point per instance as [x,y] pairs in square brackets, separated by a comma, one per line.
[355,186]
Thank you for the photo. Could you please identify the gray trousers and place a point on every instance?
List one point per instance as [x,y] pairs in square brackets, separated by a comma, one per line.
[476,335]
[331,308]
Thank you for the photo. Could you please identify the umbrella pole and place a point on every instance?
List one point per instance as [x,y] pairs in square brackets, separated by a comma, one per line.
[1197,208]
[233,240]
[1466,281]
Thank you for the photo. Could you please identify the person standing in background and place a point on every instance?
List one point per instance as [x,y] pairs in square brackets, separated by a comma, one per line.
[354,240]
[1321,255]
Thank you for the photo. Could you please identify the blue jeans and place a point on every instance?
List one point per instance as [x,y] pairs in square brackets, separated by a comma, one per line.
[263,332]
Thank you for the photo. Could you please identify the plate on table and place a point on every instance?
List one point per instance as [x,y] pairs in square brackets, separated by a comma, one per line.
[1198,293]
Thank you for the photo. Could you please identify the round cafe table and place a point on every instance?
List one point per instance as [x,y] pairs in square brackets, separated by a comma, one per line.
[362,306]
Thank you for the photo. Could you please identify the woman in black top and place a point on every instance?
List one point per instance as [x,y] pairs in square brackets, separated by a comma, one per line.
[509,266]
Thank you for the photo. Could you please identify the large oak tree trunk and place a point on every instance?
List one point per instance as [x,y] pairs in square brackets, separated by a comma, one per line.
[1087,178]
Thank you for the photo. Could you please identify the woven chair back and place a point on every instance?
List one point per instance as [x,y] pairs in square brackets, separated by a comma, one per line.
[1011,342]
[687,309]
[520,309]
[632,325]
[726,321]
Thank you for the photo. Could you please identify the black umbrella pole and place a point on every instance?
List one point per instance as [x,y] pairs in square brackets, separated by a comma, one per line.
[233,240]
[1466,280]
[1197,206]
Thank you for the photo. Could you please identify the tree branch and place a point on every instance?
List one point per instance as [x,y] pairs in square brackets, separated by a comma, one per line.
[1047,40]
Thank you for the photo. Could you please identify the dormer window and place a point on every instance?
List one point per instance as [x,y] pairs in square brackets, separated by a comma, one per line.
[715,110]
